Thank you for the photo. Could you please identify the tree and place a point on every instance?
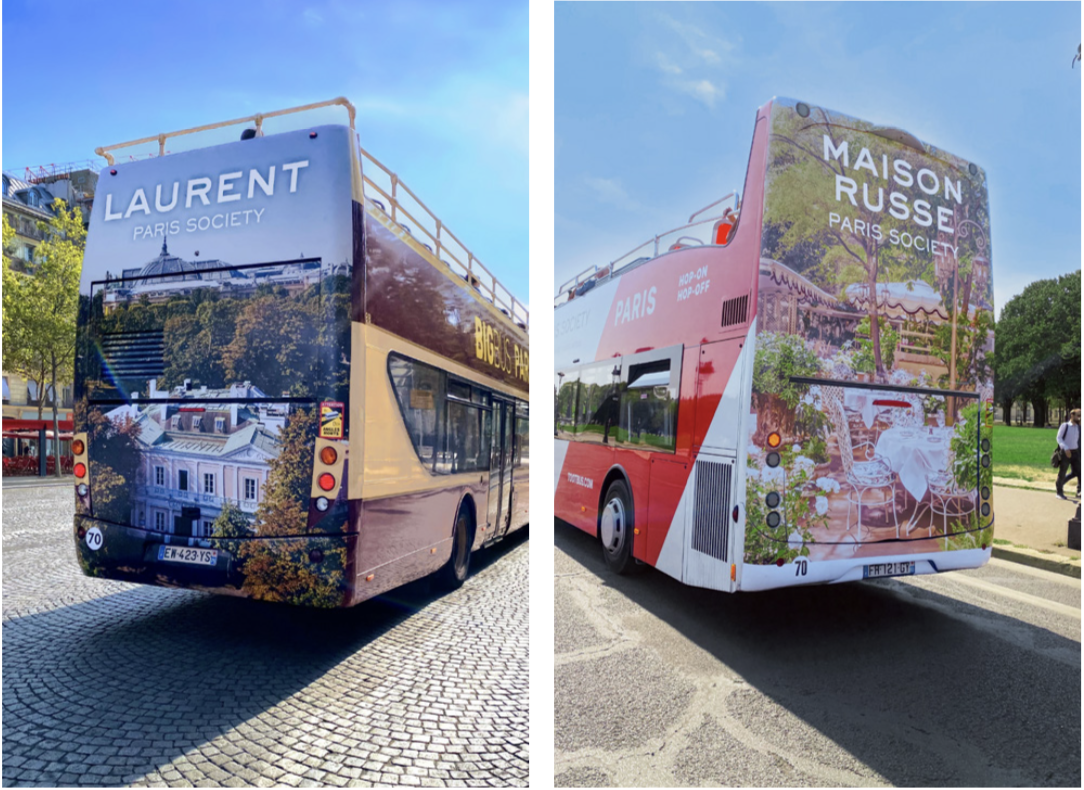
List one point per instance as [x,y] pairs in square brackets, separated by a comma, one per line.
[41,306]
[1038,345]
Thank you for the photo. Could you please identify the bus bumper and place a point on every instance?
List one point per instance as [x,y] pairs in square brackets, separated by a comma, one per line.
[306,570]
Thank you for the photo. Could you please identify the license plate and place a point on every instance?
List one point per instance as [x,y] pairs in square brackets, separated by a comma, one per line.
[889,569]
[187,555]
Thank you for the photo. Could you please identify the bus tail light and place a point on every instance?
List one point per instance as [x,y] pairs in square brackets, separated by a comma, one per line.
[322,504]
[328,455]
[78,447]
[326,481]
[774,439]
[80,470]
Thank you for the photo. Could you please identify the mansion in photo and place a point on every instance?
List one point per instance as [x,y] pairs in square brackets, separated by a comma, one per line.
[197,458]
[169,275]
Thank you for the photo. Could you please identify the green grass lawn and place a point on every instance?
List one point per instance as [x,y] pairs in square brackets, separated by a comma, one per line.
[1024,453]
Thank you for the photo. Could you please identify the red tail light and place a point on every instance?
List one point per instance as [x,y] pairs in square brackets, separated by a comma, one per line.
[326,481]
[78,447]
[80,470]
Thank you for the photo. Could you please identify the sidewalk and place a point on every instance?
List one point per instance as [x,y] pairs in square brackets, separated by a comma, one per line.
[1034,522]
[31,481]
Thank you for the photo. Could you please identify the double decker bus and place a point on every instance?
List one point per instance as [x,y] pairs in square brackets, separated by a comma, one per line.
[794,386]
[294,383]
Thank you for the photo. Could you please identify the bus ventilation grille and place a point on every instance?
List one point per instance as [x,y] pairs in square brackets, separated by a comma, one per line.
[734,310]
[133,355]
[711,521]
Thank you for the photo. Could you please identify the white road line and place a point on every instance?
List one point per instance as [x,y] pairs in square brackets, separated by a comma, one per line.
[1039,573]
[1032,600]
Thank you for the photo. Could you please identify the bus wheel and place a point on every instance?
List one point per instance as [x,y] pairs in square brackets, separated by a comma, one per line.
[456,570]
[615,529]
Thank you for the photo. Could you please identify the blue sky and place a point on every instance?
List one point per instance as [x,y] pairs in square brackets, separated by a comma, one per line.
[441,90]
[655,103]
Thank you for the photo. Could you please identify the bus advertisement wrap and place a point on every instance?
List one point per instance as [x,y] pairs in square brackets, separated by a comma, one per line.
[874,304]
[214,321]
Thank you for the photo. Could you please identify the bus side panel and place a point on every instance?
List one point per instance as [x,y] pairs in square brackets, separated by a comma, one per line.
[406,537]
[577,496]
[717,367]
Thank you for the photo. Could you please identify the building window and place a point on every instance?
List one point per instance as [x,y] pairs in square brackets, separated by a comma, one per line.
[160,521]
[142,518]
[7,390]
[220,424]
[176,424]
[160,476]
[208,528]
[182,480]
[31,392]
[250,489]
[208,483]
[197,421]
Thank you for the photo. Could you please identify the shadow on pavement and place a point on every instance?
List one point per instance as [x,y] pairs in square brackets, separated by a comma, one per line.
[920,687]
[119,686]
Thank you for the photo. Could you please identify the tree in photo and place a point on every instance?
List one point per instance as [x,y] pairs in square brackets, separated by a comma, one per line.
[40,308]
[282,570]
[114,461]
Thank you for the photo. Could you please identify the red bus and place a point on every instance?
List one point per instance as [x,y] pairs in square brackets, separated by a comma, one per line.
[293,382]
[793,387]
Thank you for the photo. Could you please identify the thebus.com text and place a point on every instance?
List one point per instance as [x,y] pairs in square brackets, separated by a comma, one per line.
[580,480]
[873,231]
[196,224]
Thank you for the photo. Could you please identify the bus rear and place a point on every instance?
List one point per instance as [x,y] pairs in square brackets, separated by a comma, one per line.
[213,369]
[869,422]
[797,391]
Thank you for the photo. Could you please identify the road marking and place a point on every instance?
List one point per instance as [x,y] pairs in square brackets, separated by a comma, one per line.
[1039,573]
[1033,600]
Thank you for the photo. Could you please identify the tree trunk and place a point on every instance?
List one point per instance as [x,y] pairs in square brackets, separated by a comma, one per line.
[56,422]
[1006,412]
[1039,413]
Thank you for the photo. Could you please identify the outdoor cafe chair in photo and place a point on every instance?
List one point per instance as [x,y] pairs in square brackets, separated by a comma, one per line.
[861,476]
[948,499]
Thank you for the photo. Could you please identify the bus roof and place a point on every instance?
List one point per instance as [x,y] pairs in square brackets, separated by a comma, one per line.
[445,246]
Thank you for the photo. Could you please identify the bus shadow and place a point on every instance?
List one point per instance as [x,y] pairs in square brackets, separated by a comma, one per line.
[114,688]
[921,688]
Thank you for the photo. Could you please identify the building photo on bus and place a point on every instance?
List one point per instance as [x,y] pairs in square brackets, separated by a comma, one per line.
[294,383]
[794,386]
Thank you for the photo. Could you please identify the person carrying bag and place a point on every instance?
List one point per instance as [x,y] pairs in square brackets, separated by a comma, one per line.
[1068,453]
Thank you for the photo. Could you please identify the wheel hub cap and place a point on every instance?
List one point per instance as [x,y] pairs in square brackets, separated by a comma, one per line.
[613,524]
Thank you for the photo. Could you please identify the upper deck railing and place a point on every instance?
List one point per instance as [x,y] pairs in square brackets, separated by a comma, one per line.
[444,242]
[692,234]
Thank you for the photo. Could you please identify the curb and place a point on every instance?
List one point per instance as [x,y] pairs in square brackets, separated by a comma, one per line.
[1046,562]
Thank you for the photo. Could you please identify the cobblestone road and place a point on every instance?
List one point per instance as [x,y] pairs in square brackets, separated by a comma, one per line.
[107,683]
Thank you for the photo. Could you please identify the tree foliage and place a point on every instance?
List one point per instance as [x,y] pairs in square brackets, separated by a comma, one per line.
[40,306]
[1038,345]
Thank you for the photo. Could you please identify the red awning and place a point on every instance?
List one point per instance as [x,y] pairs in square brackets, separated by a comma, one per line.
[36,425]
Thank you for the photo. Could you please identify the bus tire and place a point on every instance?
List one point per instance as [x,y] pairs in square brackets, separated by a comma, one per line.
[456,570]
[615,529]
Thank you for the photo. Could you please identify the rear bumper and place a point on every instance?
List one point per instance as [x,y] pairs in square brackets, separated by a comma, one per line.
[308,570]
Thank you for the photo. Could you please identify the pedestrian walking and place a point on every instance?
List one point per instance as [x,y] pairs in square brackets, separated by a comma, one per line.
[1069,443]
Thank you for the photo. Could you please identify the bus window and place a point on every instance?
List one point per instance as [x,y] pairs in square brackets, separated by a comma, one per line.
[419,389]
[649,407]
[467,437]
[522,436]
[599,385]
[567,404]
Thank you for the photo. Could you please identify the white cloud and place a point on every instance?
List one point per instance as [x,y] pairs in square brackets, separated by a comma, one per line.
[700,44]
[704,91]
[665,66]
[609,190]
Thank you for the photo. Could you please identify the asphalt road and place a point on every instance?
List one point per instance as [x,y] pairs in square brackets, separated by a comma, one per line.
[108,683]
[966,679]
